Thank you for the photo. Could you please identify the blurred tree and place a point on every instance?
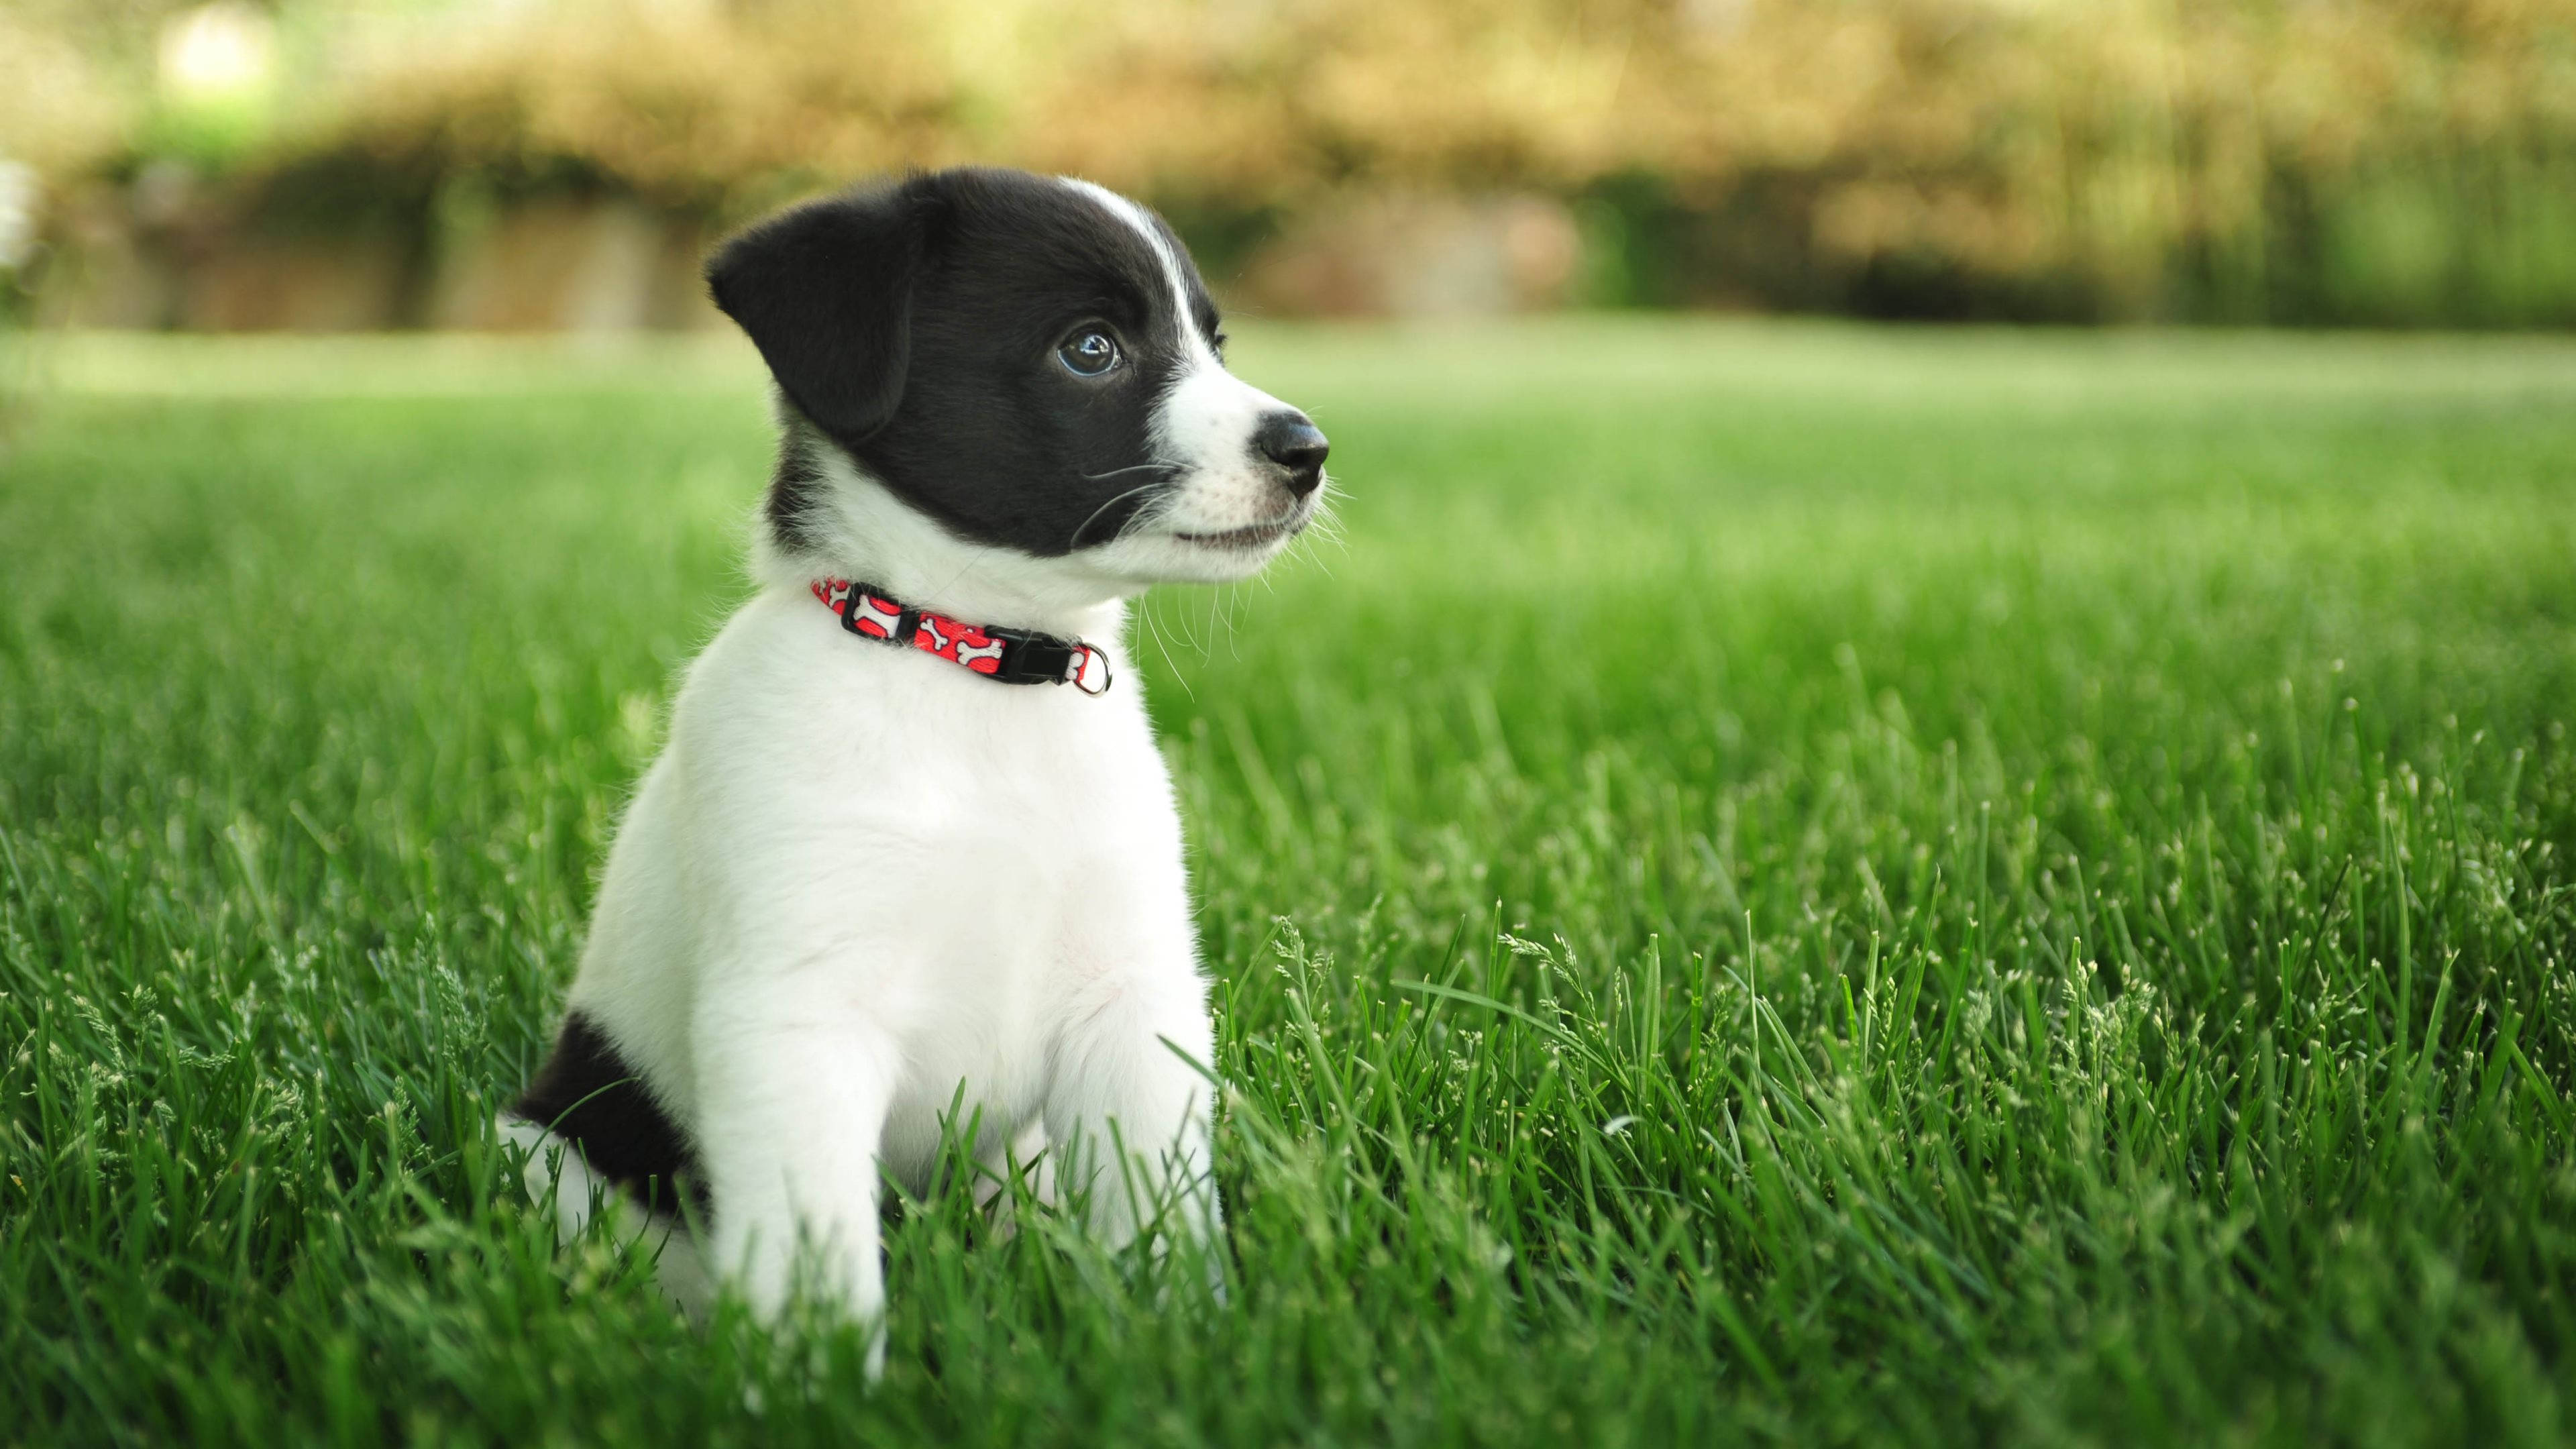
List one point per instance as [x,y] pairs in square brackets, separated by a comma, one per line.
[2389,161]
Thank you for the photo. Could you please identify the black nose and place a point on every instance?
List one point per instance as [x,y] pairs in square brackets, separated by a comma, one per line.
[1296,445]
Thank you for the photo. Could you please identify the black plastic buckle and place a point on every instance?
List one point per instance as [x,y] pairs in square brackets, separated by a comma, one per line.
[1033,658]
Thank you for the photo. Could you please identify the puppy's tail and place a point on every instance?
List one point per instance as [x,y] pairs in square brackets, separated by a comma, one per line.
[559,1180]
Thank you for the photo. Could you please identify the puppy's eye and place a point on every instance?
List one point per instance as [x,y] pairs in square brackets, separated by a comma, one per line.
[1089,353]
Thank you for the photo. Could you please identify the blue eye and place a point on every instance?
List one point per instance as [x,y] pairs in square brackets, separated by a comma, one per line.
[1088,354]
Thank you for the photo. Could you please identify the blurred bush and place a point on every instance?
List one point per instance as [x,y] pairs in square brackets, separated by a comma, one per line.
[2406,162]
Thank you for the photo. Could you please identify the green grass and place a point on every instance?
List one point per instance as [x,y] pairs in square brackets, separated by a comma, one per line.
[1787,883]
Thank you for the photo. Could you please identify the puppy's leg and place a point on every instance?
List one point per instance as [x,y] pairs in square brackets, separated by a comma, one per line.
[793,1095]
[1127,1118]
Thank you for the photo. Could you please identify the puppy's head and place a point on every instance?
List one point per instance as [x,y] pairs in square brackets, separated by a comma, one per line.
[1032,363]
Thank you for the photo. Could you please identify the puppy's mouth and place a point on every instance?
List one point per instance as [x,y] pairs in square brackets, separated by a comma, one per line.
[1249,537]
[1254,535]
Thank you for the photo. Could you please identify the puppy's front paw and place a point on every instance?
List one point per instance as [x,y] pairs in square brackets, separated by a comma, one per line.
[806,1294]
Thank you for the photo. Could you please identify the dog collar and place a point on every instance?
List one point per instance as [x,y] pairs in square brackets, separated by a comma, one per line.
[1005,656]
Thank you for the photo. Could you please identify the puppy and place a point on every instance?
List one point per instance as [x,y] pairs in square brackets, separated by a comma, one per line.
[910,849]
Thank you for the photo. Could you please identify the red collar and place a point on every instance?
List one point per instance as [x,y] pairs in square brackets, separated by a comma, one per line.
[1005,656]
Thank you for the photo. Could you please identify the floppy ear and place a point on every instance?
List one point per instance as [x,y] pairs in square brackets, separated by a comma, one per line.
[825,290]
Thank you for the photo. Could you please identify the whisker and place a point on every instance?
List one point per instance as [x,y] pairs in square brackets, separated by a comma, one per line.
[1132,468]
[1221,619]
[1076,540]
[1151,618]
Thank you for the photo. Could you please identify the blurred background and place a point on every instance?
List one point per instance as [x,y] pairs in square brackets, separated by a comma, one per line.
[559,165]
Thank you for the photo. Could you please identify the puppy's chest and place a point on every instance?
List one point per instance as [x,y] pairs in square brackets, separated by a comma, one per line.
[997,810]
[1036,856]
[1076,777]
[973,826]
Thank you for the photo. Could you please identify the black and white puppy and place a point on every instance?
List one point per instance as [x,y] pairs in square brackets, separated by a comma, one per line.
[867,871]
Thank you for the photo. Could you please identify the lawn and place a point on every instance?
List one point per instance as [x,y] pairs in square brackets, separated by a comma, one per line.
[1777,882]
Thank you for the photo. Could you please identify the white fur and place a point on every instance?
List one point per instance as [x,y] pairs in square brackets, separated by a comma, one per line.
[860,880]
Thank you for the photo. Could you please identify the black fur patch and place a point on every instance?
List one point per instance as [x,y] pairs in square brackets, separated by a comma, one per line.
[588,1095]
[917,324]
[796,491]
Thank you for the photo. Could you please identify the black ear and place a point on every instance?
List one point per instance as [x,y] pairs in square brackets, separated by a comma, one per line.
[825,290]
